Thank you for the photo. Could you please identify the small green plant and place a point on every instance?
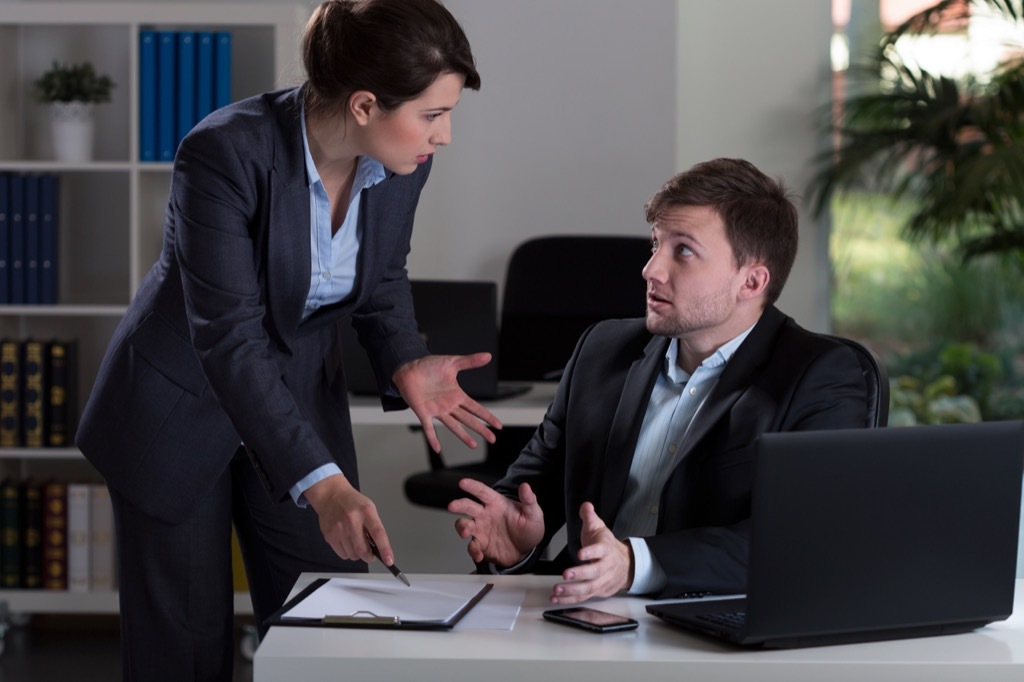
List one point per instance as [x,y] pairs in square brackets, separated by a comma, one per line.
[947,370]
[913,401]
[72,83]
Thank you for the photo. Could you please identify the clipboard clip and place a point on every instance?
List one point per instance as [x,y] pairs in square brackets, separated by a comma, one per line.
[361,618]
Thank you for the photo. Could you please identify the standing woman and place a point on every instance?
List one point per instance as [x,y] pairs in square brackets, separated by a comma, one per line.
[221,397]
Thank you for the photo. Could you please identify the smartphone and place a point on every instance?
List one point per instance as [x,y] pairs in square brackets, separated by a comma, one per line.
[590,619]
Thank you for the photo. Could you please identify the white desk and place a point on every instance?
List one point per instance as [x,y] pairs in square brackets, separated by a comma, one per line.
[536,651]
[522,410]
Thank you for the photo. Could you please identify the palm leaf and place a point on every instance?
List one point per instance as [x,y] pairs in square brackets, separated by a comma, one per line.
[954,147]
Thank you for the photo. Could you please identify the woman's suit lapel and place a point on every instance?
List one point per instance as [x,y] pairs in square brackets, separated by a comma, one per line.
[378,227]
[288,255]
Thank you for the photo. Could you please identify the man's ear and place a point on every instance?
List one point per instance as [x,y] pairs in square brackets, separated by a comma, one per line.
[755,281]
[361,104]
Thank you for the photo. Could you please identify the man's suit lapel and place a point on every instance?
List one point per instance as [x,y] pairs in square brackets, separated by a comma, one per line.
[625,428]
[736,378]
[636,393]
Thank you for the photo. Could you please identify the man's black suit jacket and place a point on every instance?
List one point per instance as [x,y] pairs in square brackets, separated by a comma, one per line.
[781,378]
[213,350]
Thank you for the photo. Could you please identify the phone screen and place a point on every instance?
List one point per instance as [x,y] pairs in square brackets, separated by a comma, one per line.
[595,617]
[591,619]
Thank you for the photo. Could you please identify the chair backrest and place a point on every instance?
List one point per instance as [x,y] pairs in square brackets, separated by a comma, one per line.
[556,287]
[876,379]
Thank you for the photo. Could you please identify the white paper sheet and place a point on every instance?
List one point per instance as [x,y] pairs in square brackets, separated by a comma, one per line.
[498,610]
[426,600]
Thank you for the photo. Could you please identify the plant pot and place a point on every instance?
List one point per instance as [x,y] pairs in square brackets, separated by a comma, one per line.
[72,127]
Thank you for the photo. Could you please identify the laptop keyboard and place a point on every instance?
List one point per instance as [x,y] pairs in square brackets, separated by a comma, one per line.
[730,619]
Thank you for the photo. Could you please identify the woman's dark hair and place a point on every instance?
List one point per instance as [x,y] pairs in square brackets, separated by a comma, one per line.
[392,48]
[760,220]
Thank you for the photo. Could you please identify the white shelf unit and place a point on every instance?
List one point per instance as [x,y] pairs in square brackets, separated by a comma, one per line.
[112,208]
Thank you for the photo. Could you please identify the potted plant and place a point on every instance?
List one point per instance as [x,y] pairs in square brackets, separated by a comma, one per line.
[72,90]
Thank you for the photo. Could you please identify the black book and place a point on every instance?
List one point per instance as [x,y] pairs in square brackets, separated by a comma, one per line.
[10,534]
[61,404]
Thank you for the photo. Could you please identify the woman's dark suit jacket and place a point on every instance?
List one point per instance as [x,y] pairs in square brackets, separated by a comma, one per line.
[781,378]
[213,351]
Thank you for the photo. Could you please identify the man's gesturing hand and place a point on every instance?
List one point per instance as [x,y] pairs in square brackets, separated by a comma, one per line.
[606,566]
[499,530]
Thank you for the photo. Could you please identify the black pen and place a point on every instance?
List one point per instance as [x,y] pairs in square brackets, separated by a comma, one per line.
[395,571]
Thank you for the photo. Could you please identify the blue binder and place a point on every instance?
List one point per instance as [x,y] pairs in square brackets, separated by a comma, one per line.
[186,109]
[49,203]
[5,239]
[222,69]
[31,222]
[204,74]
[147,95]
[166,67]
[16,198]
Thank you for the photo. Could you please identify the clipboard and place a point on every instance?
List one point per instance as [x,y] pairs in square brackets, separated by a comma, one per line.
[303,609]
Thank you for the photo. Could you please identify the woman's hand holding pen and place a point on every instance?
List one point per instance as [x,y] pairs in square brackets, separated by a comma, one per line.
[431,389]
[347,517]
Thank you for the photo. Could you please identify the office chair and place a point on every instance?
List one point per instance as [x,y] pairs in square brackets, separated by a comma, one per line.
[555,287]
[877,381]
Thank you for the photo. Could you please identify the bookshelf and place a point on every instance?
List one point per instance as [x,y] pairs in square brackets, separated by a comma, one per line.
[110,208]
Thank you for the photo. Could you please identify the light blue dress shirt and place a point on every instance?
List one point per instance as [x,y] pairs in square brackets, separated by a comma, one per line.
[675,401]
[333,260]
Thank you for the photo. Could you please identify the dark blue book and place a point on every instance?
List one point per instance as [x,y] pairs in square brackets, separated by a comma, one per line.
[32,236]
[49,203]
[186,108]
[147,95]
[5,240]
[221,69]
[204,74]
[165,91]
[16,198]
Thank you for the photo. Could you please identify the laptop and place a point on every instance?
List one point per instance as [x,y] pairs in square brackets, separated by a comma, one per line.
[455,317]
[872,534]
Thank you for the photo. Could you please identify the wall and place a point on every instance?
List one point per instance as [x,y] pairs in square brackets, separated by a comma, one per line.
[750,85]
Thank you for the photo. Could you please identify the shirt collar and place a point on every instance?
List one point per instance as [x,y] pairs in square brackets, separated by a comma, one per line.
[369,171]
[716,360]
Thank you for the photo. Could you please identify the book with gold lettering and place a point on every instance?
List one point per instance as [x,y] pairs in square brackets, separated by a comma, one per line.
[61,406]
[10,534]
[103,550]
[33,380]
[32,534]
[55,535]
[10,393]
[79,540]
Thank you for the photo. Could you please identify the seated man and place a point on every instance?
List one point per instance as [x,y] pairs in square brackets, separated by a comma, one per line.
[647,450]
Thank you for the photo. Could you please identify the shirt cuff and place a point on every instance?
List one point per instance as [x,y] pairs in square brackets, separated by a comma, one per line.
[648,575]
[298,491]
[494,570]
